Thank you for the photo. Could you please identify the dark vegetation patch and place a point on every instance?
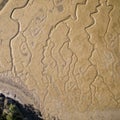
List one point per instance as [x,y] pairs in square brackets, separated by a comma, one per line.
[11,109]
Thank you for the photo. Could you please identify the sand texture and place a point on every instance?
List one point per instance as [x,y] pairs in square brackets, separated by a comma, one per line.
[62,56]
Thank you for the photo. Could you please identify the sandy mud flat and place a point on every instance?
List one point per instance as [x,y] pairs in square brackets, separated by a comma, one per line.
[62,56]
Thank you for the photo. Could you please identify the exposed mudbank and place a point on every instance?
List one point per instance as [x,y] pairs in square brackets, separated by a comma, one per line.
[14,88]
[3,3]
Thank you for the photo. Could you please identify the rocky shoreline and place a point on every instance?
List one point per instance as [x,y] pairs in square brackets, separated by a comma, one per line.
[11,109]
